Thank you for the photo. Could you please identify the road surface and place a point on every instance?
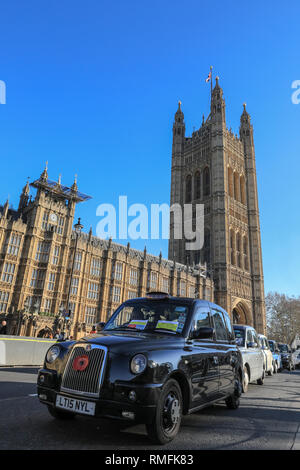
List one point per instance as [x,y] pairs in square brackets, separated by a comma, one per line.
[268,418]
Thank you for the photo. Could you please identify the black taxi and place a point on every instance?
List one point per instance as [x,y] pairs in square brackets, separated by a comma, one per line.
[156,359]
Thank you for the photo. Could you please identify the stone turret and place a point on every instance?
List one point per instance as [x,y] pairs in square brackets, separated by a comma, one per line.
[176,175]
[217,104]
[24,198]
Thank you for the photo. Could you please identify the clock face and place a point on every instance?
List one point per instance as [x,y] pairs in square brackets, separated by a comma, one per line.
[53,217]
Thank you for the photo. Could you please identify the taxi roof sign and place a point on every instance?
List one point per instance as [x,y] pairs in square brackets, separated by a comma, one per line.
[157,295]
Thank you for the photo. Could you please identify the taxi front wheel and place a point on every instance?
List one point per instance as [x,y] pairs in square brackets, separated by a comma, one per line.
[246,380]
[166,422]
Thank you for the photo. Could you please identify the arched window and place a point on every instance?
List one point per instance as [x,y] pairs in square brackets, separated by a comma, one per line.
[235,316]
[232,247]
[238,250]
[188,189]
[245,252]
[243,190]
[230,182]
[236,186]
[206,182]
[197,185]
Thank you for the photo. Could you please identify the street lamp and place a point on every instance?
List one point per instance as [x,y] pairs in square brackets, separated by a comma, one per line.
[27,304]
[34,316]
[78,228]
[22,315]
[36,307]
[61,309]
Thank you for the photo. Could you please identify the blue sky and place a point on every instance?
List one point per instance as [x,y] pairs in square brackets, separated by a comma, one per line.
[93,86]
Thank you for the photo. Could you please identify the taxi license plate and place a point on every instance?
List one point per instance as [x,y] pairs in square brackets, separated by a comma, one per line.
[75,405]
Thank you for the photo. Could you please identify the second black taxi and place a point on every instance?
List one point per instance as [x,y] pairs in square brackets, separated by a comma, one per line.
[156,359]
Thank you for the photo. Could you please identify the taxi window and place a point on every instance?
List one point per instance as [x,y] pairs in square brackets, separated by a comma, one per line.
[228,323]
[250,338]
[239,334]
[219,324]
[201,318]
[255,337]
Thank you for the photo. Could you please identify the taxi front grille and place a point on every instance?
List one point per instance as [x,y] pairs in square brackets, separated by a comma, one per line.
[86,381]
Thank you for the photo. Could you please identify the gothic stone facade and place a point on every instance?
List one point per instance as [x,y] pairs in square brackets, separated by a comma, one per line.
[216,168]
[47,267]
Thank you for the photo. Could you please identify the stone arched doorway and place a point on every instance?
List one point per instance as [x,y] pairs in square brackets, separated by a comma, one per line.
[241,314]
[45,332]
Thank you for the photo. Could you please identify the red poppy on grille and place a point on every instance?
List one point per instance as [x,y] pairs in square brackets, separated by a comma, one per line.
[80,363]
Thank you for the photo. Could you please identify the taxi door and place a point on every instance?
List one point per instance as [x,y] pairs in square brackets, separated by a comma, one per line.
[226,358]
[204,365]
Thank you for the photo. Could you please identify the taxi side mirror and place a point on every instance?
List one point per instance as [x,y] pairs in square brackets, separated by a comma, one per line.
[203,332]
[251,344]
[100,326]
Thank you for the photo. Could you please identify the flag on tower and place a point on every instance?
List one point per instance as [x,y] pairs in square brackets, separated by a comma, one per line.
[209,77]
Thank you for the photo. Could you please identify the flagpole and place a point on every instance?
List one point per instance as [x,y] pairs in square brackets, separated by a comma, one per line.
[211,82]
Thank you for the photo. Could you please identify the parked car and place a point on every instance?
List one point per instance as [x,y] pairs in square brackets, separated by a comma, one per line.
[286,356]
[276,355]
[268,356]
[156,359]
[253,356]
[296,358]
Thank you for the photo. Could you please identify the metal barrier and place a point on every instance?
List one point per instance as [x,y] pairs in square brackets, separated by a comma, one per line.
[23,350]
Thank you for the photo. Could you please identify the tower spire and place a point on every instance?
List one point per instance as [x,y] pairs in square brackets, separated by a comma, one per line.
[26,188]
[44,175]
[217,104]
[6,207]
[24,196]
[74,186]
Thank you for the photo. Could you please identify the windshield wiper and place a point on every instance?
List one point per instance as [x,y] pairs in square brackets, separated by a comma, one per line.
[163,330]
[126,328]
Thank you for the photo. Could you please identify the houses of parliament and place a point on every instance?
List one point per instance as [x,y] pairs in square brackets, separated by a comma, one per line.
[54,277]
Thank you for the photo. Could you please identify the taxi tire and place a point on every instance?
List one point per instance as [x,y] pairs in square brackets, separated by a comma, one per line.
[155,429]
[261,380]
[233,401]
[59,414]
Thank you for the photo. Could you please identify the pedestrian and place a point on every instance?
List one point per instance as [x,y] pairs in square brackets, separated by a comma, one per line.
[3,328]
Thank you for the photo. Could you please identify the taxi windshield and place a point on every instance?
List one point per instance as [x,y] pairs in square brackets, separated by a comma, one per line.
[272,347]
[283,348]
[239,334]
[151,316]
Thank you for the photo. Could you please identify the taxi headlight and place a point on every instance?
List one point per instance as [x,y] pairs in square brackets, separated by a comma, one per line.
[138,364]
[52,354]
